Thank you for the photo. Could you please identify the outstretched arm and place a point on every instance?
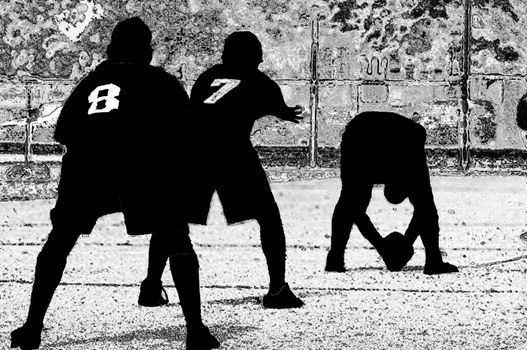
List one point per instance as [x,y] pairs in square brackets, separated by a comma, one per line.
[292,114]
[351,209]
[279,108]
[368,230]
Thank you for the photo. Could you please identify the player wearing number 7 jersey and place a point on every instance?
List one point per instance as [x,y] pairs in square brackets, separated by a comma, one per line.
[120,125]
[226,100]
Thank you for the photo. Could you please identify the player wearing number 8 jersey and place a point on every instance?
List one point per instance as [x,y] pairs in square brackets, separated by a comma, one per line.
[226,100]
[120,125]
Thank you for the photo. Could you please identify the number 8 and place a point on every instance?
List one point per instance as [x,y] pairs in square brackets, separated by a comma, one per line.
[110,101]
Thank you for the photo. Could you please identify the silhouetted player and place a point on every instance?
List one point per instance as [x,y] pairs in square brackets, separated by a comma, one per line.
[226,100]
[521,113]
[120,125]
[386,148]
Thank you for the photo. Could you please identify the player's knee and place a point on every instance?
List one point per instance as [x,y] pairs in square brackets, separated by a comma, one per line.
[59,243]
[269,211]
[434,226]
[270,225]
[173,243]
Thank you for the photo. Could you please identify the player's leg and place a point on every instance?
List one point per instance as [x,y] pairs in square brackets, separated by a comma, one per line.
[245,194]
[425,223]
[341,225]
[434,263]
[152,292]
[272,237]
[50,265]
[184,267]
[354,197]
[351,209]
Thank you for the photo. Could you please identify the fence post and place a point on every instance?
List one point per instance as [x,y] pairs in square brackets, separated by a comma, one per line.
[29,128]
[313,91]
[464,157]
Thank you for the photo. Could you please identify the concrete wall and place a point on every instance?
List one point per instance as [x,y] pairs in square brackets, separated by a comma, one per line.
[456,66]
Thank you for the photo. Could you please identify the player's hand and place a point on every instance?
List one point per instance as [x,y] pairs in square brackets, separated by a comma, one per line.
[294,114]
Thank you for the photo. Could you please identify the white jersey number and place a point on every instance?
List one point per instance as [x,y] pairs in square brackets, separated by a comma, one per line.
[226,86]
[109,99]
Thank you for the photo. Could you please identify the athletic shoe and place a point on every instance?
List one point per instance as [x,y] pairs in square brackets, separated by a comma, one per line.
[25,337]
[284,299]
[152,294]
[436,269]
[335,263]
[200,338]
[396,251]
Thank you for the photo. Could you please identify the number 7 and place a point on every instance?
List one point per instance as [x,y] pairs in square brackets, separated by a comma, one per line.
[228,85]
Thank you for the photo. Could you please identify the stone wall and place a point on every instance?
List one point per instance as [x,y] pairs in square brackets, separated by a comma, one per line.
[456,66]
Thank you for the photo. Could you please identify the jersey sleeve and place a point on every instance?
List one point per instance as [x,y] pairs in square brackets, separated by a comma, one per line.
[273,99]
[69,128]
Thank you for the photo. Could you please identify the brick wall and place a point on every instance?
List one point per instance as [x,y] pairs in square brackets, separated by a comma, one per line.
[456,66]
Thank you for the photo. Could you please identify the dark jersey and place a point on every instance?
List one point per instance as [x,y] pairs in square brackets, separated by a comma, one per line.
[382,147]
[225,103]
[122,124]
[126,108]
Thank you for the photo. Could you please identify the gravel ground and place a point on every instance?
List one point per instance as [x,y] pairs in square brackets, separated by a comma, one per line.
[482,307]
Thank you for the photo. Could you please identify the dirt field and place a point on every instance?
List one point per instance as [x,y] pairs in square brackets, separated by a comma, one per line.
[482,307]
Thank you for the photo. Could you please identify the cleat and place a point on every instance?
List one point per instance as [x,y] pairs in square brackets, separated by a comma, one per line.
[396,251]
[284,299]
[152,294]
[25,337]
[335,263]
[437,269]
[200,338]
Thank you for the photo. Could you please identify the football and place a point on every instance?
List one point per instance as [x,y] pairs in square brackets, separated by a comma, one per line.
[396,251]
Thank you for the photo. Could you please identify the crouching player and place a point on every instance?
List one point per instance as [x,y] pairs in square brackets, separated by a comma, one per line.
[226,101]
[120,125]
[386,148]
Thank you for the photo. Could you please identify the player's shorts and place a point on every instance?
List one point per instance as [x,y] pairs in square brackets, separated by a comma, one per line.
[241,184]
[88,190]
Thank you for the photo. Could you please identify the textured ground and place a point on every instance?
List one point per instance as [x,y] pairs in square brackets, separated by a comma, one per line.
[482,307]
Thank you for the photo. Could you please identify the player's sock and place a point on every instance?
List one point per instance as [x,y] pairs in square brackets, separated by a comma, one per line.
[335,261]
[152,293]
[273,245]
[48,273]
[157,259]
[341,225]
[431,244]
[185,272]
